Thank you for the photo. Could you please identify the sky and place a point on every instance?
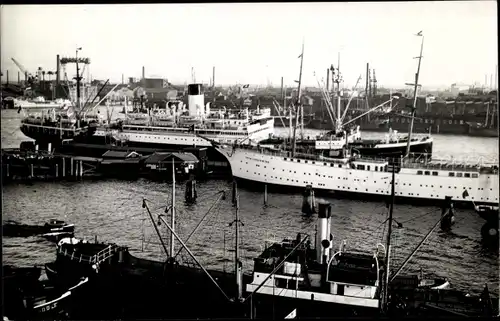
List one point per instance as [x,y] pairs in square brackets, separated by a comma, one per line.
[258,43]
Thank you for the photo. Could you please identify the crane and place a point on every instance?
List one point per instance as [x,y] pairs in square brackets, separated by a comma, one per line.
[29,77]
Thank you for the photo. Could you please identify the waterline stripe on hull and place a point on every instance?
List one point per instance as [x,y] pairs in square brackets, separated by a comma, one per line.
[307,295]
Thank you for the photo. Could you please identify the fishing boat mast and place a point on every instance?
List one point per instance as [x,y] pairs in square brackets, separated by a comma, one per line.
[172,219]
[299,105]
[237,263]
[385,288]
[416,85]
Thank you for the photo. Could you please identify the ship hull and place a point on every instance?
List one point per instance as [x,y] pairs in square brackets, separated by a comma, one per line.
[411,183]
[54,135]
[278,307]
[138,288]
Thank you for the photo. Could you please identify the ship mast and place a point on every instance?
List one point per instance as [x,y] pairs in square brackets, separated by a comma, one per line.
[388,244]
[414,107]
[78,79]
[237,262]
[299,105]
[339,121]
[172,219]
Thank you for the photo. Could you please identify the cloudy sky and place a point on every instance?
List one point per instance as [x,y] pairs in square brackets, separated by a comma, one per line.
[259,43]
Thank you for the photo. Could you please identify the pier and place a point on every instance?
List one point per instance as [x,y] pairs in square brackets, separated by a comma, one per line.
[41,165]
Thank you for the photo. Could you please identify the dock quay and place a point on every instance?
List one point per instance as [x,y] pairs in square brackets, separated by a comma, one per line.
[42,165]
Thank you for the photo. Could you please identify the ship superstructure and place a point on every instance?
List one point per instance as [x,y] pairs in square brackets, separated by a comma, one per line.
[194,126]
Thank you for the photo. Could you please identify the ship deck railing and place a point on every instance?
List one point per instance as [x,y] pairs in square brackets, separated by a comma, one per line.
[479,167]
[97,258]
[306,156]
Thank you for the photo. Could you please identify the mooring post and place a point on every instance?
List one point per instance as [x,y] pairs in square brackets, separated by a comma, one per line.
[265,194]
[308,202]
[64,167]
[234,192]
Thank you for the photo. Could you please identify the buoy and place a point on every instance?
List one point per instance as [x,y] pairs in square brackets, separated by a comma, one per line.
[309,202]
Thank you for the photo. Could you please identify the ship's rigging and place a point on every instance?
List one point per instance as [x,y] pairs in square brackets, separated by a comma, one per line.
[415,95]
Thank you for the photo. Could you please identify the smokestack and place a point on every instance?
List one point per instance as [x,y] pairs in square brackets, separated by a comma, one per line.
[143,73]
[213,77]
[281,88]
[122,79]
[369,84]
[367,78]
[491,81]
[7,74]
[18,77]
[58,70]
[323,236]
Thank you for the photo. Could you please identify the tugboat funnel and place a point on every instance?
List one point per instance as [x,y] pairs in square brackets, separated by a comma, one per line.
[324,237]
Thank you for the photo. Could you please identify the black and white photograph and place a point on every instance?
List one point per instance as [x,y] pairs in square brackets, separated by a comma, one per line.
[253,160]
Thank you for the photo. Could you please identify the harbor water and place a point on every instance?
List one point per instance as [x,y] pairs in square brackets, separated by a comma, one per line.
[112,211]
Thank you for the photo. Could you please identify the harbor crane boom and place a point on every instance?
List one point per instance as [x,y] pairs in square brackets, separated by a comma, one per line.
[21,67]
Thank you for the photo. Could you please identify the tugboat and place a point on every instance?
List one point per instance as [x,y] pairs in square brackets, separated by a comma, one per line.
[314,282]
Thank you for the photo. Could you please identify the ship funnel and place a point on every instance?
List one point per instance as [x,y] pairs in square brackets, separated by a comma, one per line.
[324,237]
[196,100]
[207,108]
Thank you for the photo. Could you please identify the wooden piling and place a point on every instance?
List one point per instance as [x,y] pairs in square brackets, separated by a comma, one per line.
[81,169]
[235,190]
[31,171]
[71,172]
[57,170]
[7,171]
[64,167]
[265,194]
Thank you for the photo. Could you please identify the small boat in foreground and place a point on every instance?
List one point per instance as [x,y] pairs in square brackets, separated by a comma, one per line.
[15,229]
[36,299]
